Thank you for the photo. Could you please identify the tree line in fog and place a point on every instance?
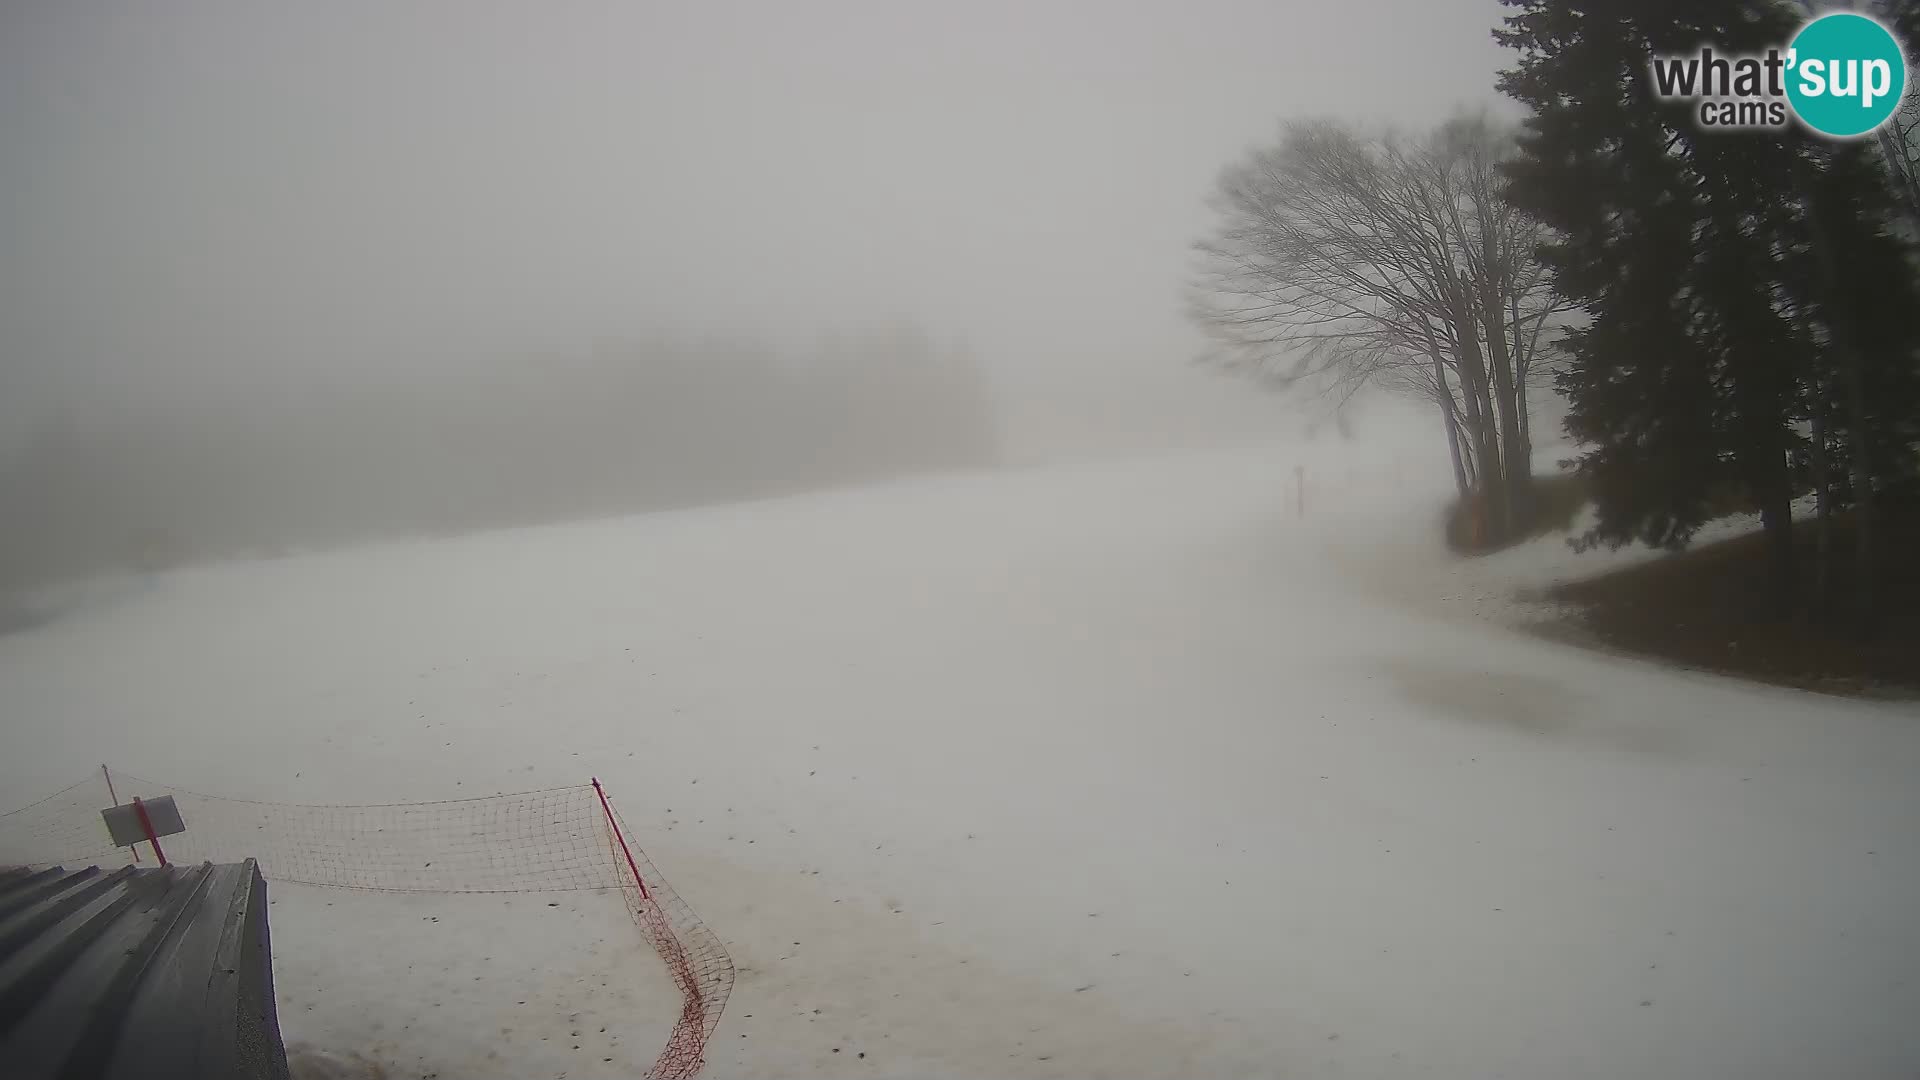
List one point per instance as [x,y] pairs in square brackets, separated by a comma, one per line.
[609,430]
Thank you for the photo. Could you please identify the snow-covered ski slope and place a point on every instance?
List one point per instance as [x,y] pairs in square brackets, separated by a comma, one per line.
[1101,770]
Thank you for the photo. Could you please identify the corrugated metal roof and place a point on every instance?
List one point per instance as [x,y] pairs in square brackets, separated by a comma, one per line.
[137,973]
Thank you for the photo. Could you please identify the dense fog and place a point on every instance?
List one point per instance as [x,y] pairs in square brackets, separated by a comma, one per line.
[635,426]
[279,278]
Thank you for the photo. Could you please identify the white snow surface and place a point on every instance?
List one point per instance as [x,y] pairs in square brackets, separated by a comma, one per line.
[1105,770]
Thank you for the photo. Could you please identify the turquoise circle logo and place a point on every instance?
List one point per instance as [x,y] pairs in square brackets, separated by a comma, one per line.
[1848,74]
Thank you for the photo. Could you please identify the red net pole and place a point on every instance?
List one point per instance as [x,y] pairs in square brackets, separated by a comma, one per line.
[615,826]
[146,823]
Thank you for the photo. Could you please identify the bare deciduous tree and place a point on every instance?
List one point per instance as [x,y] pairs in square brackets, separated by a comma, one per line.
[1343,261]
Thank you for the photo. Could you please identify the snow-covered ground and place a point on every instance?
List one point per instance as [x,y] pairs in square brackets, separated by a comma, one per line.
[476,985]
[1104,770]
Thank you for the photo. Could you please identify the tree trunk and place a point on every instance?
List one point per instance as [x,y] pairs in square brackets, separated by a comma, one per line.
[1473,378]
[1761,457]
[1865,578]
[1761,386]
[1516,471]
[1526,426]
[1523,357]
[1854,401]
[1823,503]
[1453,428]
[1776,517]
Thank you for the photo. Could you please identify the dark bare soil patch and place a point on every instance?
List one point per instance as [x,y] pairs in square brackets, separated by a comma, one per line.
[1709,607]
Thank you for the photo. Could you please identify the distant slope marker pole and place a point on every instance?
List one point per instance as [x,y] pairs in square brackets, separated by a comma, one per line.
[615,826]
[116,801]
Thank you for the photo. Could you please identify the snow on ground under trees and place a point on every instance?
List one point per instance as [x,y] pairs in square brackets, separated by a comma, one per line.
[1101,770]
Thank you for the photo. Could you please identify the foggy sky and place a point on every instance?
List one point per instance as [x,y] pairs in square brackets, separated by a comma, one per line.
[216,200]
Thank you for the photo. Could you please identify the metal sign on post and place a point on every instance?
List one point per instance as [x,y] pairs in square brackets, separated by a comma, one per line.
[144,819]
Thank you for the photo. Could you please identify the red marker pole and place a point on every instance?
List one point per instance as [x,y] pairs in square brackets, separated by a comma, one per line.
[607,808]
[140,810]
